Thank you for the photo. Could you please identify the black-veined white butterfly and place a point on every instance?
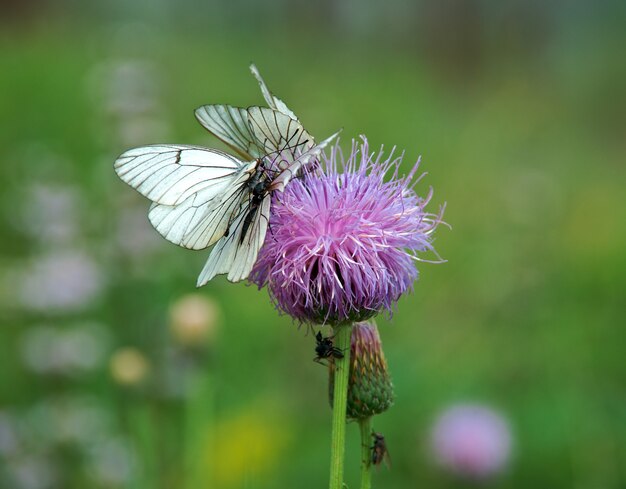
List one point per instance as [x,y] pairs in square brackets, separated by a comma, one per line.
[203,197]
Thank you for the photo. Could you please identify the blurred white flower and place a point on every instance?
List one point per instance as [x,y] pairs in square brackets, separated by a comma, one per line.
[32,472]
[112,462]
[126,86]
[50,213]
[79,420]
[61,281]
[85,346]
[128,91]
[74,350]
[472,441]
[9,439]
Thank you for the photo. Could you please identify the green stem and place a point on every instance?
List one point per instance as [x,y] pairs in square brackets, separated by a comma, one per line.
[366,454]
[340,401]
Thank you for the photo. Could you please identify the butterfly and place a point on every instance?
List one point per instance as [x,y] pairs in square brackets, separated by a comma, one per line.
[203,197]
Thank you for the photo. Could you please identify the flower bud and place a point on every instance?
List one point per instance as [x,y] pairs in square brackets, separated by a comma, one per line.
[370,390]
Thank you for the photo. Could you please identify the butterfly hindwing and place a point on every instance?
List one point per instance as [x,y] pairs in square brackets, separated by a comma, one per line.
[175,222]
[199,221]
[282,179]
[217,217]
[278,135]
[236,253]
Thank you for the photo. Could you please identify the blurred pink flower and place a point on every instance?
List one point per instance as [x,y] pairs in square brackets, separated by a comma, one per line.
[472,441]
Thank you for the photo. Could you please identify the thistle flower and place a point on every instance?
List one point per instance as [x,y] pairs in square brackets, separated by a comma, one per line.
[472,441]
[370,390]
[342,246]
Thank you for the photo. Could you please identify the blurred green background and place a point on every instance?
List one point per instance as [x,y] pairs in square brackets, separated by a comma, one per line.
[113,376]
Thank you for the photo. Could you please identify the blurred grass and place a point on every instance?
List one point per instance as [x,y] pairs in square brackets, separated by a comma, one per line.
[527,314]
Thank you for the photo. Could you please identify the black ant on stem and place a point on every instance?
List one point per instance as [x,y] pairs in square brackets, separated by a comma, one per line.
[325,348]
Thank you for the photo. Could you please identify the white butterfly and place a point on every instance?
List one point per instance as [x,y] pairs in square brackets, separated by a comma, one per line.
[203,196]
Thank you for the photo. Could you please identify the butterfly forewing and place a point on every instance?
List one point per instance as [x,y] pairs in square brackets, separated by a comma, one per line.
[169,174]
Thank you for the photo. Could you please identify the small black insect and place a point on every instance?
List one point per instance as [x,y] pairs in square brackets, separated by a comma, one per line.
[325,348]
[379,450]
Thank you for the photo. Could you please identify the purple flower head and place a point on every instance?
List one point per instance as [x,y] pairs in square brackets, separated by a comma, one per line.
[342,245]
[472,441]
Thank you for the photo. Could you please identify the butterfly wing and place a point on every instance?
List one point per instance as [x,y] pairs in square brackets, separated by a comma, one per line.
[251,132]
[202,219]
[187,185]
[256,132]
[218,218]
[285,175]
[169,174]
[230,124]
[236,253]
[279,136]
[273,101]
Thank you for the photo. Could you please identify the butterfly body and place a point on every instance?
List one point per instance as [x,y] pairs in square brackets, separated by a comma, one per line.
[258,185]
